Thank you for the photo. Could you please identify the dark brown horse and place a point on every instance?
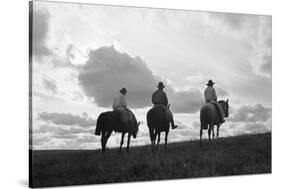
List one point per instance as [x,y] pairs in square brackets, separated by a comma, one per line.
[157,122]
[209,118]
[111,121]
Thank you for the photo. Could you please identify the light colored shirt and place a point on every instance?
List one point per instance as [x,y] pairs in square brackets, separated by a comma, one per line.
[119,102]
[210,94]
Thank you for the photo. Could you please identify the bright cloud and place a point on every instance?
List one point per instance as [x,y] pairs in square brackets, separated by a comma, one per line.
[67,119]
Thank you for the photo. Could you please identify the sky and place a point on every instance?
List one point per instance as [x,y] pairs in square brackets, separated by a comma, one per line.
[82,55]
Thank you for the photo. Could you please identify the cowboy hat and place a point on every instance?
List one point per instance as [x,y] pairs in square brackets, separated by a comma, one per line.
[210,83]
[123,90]
[161,85]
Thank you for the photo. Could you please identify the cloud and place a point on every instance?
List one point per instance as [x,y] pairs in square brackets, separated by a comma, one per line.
[50,85]
[74,56]
[59,131]
[232,21]
[67,119]
[261,55]
[240,128]
[255,113]
[40,30]
[187,101]
[108,70]
[40,139]
[256,29]
[196,124]
[46,98]
[221,92]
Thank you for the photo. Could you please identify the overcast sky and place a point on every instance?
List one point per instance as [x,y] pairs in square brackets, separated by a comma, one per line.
[84,54]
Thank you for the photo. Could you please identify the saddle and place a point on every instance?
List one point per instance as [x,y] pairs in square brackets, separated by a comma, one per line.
[167,110]
[218,111]
[124,118]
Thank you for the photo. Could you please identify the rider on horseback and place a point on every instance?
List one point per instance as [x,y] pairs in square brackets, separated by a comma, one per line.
[120,105]
[211,97]
[159,97]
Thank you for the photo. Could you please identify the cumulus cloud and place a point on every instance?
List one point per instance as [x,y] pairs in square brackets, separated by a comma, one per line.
[196,124]
[200,80]
[255,113]
[50,85]
[188,101]
[221,92]
[40,139]
[240,128]
[256,29]
[40,30]
[74,56]
[67,119]
[60,131]
[261,56]
[232,21]
[108,70]
[60,136]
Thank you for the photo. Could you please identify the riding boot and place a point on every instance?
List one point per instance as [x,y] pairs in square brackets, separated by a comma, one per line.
[172,123]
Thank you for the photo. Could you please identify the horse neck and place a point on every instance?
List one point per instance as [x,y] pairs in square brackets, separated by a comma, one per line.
[223,105]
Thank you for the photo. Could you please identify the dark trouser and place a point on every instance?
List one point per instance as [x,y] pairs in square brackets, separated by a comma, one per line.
[172,119]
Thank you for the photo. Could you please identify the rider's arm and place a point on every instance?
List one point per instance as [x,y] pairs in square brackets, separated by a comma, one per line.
[215,95]
[123,101]
[153,99]
[165,100]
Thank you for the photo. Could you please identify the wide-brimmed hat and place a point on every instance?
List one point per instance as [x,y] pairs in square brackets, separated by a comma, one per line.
[210,83]
[123,90]
[161,85]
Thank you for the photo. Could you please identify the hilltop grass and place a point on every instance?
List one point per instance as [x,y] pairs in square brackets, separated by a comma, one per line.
[247,154]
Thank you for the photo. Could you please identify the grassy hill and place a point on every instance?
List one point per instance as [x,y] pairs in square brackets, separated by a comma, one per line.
[247,154]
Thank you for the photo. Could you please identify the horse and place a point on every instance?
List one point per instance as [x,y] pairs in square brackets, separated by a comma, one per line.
[111,121]
[209,118]
[157,122]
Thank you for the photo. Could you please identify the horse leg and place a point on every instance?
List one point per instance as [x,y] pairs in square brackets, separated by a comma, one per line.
[103,141]
[201,133]
[122,141]
[151,138]
[218,129]
[108,133]
[158,141]
[209,133]
[166,139]
[154,139]
[213,132]
[128,142]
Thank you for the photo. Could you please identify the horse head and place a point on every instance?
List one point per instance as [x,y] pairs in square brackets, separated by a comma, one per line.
[225,107]
[135,127]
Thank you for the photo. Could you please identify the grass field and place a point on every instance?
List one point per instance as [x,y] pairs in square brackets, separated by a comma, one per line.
[247,154]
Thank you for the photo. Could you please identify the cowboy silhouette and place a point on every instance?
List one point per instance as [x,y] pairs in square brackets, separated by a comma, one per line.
[211,97]
[120,105]
[159,97]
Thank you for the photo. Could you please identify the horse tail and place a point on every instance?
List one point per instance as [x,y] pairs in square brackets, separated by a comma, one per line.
[99,125]
[204,117]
